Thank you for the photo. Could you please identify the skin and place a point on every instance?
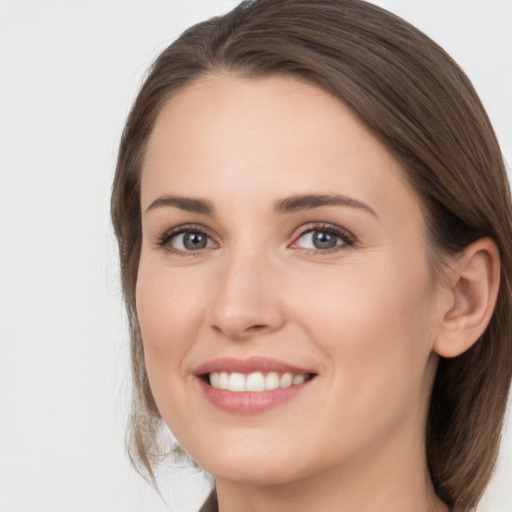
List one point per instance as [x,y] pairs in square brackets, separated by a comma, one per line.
[365,316]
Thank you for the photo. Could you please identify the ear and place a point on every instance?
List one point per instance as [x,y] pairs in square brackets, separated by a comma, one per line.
[473,288]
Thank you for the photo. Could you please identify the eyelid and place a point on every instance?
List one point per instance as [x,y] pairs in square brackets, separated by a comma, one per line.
[348,239]
[165,239]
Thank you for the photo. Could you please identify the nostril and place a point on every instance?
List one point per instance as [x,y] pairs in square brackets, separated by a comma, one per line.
[258,327]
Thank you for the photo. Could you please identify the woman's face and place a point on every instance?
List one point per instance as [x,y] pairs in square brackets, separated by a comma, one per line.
[283,253]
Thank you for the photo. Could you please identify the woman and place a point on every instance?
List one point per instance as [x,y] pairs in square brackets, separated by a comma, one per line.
[314,226]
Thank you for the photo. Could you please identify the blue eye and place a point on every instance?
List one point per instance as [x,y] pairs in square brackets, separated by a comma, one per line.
[186,241]
[324,239]
[319,240]
[190,241]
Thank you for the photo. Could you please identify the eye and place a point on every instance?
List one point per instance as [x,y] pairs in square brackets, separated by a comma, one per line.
[319,240]
[183,240]
[324,239]
[190,241]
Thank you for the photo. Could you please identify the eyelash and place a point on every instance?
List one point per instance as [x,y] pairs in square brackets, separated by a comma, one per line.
[347,239]
[165,239]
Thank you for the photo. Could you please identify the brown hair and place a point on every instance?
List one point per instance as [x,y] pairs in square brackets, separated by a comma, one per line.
[422,106]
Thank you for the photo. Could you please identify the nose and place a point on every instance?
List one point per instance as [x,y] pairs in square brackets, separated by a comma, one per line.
[246,302]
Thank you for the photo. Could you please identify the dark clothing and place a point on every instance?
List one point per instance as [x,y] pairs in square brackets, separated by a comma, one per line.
[210,505]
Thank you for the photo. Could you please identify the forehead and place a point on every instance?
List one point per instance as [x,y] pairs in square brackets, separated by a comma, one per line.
[266,138]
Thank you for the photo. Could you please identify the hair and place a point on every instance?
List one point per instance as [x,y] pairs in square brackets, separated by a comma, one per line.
[417,101]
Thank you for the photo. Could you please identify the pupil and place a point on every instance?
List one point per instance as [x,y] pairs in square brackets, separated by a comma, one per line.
[194,241]
[323,240]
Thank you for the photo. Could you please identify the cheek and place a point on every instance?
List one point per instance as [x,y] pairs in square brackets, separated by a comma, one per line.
[169,309]
[374,331]
[375,326]
[367,304]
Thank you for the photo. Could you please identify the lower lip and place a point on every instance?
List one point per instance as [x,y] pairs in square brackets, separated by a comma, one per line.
[249,402]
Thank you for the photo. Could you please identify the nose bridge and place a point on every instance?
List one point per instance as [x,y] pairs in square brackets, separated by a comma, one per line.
[245,301]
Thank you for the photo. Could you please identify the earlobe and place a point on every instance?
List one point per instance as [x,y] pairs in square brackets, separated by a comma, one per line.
[474,289]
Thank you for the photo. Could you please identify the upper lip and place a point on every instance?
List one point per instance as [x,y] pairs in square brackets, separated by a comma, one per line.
[250,365]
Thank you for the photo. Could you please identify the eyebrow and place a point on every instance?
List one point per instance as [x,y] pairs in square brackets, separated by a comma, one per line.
[183,203]
[310,201]
[287,205]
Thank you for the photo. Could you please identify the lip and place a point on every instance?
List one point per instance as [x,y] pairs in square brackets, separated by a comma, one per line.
[250,365]
[249,402]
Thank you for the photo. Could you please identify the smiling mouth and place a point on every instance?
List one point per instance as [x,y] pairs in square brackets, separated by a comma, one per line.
[253,385]
[255,381]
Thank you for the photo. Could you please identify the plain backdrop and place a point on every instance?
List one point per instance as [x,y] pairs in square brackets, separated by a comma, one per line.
[69,71]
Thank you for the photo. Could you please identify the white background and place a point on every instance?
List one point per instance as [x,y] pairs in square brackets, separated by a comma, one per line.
[69,71]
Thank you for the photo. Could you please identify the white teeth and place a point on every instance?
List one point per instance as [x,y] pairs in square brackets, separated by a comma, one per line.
[271,381]
[298,379]
[224,380]
[236,382]
[215,379]
[255,381]
[286,380]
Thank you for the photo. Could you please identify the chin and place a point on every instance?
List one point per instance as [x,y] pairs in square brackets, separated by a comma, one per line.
[248,472]
[252,467]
